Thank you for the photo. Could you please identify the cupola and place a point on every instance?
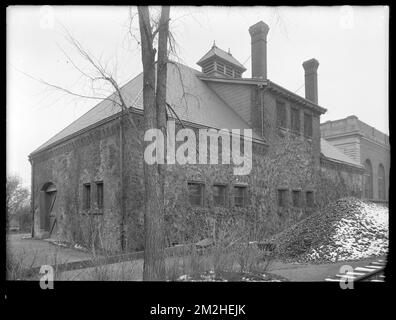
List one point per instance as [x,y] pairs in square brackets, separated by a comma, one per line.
[219,63]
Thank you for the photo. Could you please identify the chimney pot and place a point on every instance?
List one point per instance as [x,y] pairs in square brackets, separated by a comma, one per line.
[258,33]
[311,80]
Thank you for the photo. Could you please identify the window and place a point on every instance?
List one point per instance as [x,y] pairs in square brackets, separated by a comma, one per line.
[281,114]
[368,180]
[296,198]
[282,197]
[195,193]
[381,182]
[239,196]
[307,125]
[99,194]
[295,120]
[309,199]
[219,193]
[87,196]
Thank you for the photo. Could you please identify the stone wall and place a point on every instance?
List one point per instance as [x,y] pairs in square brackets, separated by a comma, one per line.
[377,154]
[94,156]
[338,180]
[87,158]
[361,142]
[287,161]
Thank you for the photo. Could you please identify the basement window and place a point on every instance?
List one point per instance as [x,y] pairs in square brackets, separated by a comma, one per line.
[195,193]
[281,114]
[295,120]
[240,196]
[219,195]
[99,194]
[307,125]
[296,196]
[87,196]
[309,198]
[282,198]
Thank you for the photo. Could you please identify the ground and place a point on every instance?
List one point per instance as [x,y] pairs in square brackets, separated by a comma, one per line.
[314,272]
[34,253]
[42,252]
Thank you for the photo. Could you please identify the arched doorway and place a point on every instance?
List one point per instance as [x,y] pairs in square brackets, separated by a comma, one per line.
[47,201]
[381,182]
[368,180]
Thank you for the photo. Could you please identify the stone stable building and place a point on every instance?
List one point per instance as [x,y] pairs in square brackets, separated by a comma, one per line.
[87,185]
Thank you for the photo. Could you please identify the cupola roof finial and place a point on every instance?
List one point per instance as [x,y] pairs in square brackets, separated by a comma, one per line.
[214,43]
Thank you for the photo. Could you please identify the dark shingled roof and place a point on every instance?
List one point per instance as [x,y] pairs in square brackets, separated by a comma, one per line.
[200,105]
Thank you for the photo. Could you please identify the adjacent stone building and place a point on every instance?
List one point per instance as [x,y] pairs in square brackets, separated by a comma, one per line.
[367,146]
[87,185]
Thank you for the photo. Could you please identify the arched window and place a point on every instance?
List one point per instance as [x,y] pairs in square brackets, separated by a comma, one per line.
[368,179]
[381,182]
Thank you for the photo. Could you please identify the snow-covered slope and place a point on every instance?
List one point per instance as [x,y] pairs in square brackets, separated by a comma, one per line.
[348,229]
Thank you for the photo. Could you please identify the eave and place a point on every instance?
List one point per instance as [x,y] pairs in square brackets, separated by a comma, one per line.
[270,86]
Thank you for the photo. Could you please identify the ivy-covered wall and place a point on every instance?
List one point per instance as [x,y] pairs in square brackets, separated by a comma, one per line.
[286,161]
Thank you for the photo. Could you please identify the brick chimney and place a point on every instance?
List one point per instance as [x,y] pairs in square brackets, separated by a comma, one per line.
[258,33]
[311,80]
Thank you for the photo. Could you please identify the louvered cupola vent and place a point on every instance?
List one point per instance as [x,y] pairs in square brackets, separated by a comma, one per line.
[219,63]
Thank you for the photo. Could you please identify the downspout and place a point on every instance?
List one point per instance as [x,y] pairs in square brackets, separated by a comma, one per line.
[263,89]
[32,195]
[122,140]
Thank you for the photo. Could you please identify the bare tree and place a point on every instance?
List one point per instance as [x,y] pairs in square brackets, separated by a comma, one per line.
[154,102]
[17,196]
[154,38]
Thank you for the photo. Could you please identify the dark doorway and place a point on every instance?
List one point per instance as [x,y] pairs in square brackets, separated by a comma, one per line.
[47,201]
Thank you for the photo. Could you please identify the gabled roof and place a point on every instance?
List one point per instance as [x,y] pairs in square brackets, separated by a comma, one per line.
[215,51]
[270,85]
[333,153]
[189,96]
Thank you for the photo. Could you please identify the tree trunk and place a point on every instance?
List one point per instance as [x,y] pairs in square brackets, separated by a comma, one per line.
[154,259]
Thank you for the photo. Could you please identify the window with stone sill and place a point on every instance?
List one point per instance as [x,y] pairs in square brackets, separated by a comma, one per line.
[281,114]
[240,196]
[196,193]
[296,197]
[87,196]
[99,194]
[308,125]
[295,120]
[309,199]
[219,195]
[282,198]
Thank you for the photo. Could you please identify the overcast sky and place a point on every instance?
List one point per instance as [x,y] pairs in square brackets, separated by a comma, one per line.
[350,43]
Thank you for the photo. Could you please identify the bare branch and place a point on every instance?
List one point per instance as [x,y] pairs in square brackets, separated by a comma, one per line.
[66,90]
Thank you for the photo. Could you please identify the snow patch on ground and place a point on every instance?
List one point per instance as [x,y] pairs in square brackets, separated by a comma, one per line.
[361,235]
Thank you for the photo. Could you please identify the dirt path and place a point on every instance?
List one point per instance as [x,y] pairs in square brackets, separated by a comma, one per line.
[35,253]
[314,272]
